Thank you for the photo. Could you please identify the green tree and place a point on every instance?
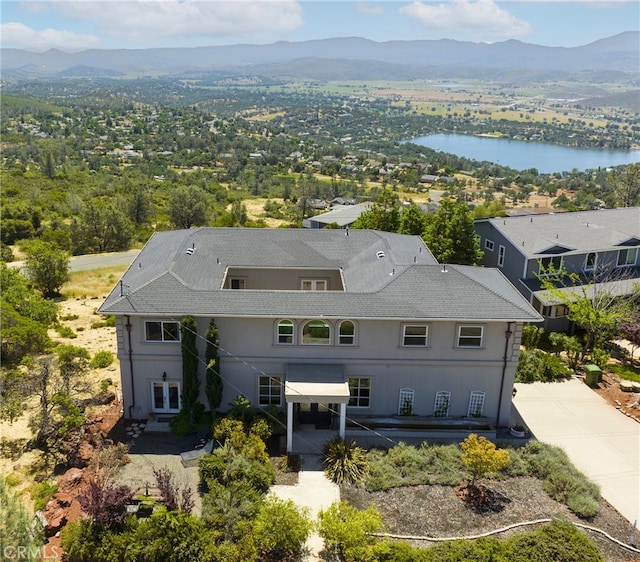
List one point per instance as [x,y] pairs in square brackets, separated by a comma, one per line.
[101,227]
[481,456]
[49,165]
[592,305]
[281,530]
[73,362]
[450,235]
[47,265]
[412,221]
[625,185]
[26,317]
[188,207]
[213,380]
[383,215]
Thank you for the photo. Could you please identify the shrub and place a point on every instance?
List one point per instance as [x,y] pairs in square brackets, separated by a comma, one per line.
[281,530]
[40,494]
[65,331]
[572,488]
[537,365]
[101,360]
[344,462]
[348,530]
[600,357]
[531,336]
[481,456]
[108,322]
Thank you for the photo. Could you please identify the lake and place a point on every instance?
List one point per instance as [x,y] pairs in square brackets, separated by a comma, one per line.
[522,155]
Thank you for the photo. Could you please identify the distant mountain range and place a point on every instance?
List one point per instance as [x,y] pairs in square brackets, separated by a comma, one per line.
[331,59]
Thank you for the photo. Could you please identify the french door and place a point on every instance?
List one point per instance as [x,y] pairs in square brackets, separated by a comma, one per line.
[165,397]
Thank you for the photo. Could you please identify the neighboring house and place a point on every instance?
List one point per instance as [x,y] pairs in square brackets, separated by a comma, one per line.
[324,324]
[342,215]
[601,247]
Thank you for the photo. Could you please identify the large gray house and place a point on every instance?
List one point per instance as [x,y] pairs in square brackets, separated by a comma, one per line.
[601,247]
[328,325]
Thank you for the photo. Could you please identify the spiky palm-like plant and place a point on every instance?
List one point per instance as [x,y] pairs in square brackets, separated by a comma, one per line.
[344,462]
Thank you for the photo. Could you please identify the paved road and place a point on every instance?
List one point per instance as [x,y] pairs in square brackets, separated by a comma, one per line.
[600,441]
[95,261]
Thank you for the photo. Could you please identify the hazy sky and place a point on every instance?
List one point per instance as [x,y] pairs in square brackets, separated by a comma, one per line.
[75,25]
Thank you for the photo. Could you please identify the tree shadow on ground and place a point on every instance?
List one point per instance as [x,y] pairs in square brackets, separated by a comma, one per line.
[481,499]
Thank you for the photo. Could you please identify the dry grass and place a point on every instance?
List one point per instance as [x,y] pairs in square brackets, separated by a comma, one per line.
[94,283]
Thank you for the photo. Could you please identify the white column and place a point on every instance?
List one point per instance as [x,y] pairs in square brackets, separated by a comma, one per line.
[289,427]
[343,419]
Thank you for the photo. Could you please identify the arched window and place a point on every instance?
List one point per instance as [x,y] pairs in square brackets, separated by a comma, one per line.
[285,332]
[316,332]
[347,332]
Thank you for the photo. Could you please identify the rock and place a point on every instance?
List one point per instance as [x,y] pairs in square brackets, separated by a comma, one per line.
[635,386]
[70,479]
[626,386]
[57,512]
[81,455]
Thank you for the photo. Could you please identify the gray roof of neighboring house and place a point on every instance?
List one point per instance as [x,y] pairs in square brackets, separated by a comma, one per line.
[579,232]
[342,215]
[407,282]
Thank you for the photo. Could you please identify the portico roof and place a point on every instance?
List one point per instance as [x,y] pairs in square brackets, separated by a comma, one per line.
[316,383]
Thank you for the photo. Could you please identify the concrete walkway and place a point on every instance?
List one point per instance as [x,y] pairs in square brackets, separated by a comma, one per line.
[313,491]
[600,441]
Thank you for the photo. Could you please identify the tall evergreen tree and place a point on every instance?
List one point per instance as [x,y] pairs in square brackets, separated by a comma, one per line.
[213,382]
[450,235]
[190,381]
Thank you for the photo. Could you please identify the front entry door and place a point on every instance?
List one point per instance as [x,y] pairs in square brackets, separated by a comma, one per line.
[314,413]
[165,397]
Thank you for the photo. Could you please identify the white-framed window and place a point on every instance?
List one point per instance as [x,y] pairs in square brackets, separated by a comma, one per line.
[441,404]
[269,390]
[590,261]
[405,402]
[316,332]
[627,257]
[470,336]
[476,403]
[415,335]
[160,331]
[285,332]
[501,251]
[550,265]
[314,285]
[347,333]
[237,283]
[489,245]
[360,392]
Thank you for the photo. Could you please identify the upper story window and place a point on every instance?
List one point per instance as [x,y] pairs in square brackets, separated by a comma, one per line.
[237,283]
[470,336]
[627,257]
[347,333]
[549,265]
[415,335]
[488,244]
[285,332]
[316,332]
[501,251]
[314,285]
[162,331]
[590,261]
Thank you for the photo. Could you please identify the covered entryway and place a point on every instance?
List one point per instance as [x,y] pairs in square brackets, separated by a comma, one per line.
[315,390]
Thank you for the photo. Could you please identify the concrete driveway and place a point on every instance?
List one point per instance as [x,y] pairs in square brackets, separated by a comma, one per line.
[600,441]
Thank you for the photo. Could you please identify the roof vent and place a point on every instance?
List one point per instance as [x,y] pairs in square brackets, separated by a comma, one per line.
[380,254]
[444,268]
[189,251]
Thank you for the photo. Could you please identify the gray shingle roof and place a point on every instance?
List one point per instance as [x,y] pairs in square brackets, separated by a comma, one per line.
[407,282]
[582,231]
